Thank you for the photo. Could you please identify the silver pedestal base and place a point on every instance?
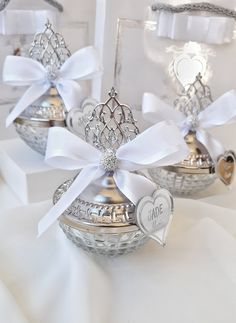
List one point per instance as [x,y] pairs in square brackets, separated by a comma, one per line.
[181,184]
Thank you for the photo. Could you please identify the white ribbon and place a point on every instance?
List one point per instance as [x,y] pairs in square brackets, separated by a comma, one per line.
[220,112]
[158,146]
[22,71]
[183,27]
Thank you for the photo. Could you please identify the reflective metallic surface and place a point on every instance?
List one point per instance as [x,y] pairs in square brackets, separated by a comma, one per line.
[192,175]
[48,48]
[101,220]
[33,124]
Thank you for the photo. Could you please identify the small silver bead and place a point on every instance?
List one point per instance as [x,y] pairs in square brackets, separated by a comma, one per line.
[109,161]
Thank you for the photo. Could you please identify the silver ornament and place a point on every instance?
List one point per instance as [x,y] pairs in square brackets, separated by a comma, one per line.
[197,171]
[32,125]
[102,219]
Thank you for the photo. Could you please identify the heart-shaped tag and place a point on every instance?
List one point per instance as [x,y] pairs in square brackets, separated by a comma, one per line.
[225,167]
[154,215]
[187,67]
[78,117]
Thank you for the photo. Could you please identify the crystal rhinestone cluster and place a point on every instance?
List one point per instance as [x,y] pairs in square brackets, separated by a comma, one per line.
[109,160]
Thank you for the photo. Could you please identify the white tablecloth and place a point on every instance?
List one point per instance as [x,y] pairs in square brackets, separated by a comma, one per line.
[49,280]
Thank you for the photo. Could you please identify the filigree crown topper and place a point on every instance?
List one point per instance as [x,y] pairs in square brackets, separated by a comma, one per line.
[50,65]
[195,112]
[115,153]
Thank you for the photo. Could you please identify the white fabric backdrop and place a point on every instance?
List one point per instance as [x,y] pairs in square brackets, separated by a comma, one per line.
[191,280]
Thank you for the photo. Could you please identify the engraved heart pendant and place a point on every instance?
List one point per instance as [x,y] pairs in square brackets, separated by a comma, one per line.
[154,215]
[225,167]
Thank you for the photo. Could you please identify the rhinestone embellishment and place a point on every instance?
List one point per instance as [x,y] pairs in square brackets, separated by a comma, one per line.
[52,74]
[109,161]
[192,122]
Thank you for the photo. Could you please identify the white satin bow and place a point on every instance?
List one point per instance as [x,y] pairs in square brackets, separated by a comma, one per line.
[22,71]
[179,26]
[160,145]
[220,112]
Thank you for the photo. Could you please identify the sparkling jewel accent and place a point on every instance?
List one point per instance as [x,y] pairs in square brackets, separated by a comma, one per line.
[52,73]
[109,161]
[192,122]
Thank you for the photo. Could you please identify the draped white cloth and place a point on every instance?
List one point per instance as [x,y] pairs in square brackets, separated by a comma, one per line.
[23,71]
[49,280]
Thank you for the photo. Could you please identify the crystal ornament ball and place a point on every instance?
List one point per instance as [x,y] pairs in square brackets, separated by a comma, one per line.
[102,220]
[197,171]
[33,124]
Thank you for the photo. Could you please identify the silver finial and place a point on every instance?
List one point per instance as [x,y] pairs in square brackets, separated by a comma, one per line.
[113,93]
[195,98]
[49,48]
[111,124]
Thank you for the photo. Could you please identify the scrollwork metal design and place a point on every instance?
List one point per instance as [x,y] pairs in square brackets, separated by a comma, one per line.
[195,98]
[49,48]
[111,124]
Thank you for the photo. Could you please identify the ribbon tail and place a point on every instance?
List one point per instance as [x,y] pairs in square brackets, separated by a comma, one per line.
[133,186]
[71,93]
[220,112]
[85,177]
[213,146]
[30,96]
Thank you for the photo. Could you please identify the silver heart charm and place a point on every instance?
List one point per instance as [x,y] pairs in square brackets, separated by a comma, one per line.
[77,118]
[154,215]
[225,167]
[188,66]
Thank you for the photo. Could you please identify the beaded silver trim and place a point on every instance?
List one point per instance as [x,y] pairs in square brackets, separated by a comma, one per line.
[193,7]
[53,3]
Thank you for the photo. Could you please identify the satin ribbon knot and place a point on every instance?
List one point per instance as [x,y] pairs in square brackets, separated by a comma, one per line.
[191,123]
[160,145]
[23,71]
[222,111]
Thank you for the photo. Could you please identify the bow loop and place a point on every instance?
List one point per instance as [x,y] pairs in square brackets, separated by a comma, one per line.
[22,71]
[67,151]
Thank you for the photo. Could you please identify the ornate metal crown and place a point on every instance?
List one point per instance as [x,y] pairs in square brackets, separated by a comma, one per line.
[111,124]
[49,48]
[195,98]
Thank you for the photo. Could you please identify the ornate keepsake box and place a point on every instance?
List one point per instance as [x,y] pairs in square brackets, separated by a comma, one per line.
[102,219]
[199,170]
[32,124]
